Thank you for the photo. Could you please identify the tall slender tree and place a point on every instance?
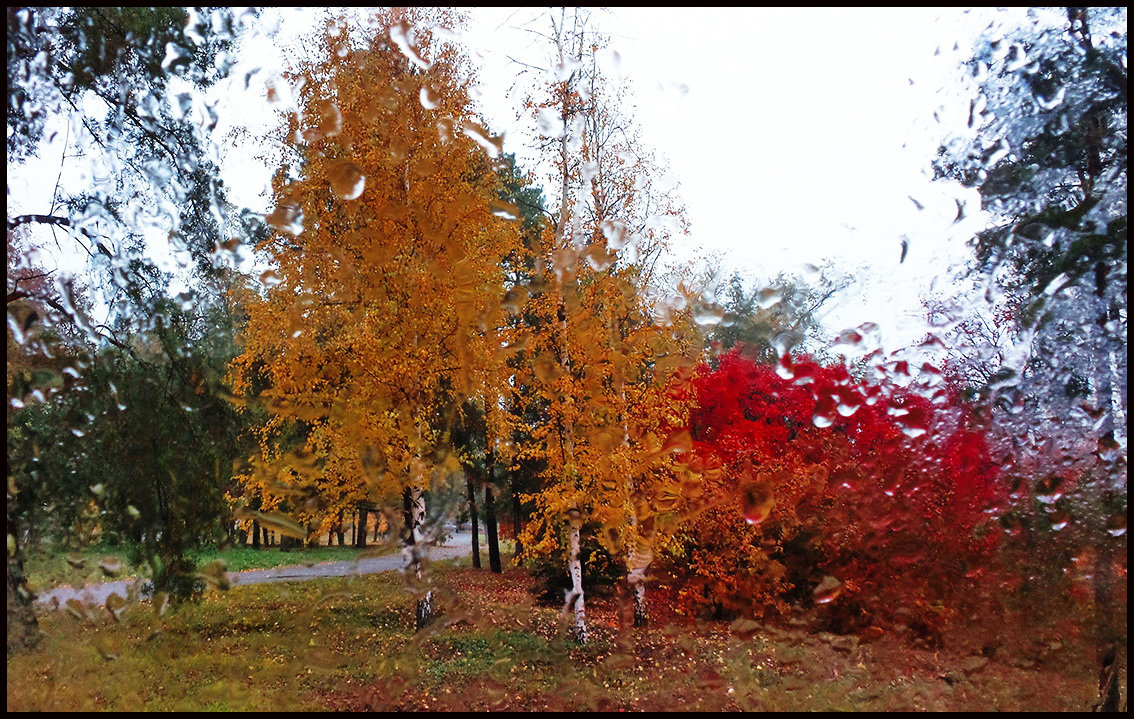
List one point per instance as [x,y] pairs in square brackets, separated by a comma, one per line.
[389,257]
[1047,150]
[600,352]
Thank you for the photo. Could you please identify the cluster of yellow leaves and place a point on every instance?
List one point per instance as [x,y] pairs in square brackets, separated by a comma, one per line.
[391,312]
[388,309]
[603,367]
[603,351]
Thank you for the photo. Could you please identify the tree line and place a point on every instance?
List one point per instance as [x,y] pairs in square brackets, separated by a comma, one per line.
[429,325]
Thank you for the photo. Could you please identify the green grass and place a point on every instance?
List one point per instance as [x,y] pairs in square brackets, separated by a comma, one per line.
[348,644]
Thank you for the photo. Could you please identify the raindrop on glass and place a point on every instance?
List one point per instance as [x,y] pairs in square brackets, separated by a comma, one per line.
[756,503]
[347,180]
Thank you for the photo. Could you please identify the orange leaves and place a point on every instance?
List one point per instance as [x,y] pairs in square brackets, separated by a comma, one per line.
[389,249]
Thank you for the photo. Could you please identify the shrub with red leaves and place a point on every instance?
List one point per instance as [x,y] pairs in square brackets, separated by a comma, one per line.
[826,489]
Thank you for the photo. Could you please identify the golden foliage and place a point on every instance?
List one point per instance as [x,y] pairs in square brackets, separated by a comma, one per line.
[388,309]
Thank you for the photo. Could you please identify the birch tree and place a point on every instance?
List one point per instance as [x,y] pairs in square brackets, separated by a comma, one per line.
[384,305]
[602,349]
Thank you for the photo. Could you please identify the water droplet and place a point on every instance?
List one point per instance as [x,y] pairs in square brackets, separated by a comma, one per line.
[287,217]
[116,604]
[402,35]
[546,368]
[678,442]
[848,341]
[1059,519]
[825,409]
[445,128]
[768,297]
[615,233]
[1049,98]
[599,258]
[1109,449]
[215,574]
[784,341]
[549,123]
[111,566]
[504,210]
[430,98]
[181,104]
[563,69]
[828,590]
[1116,524]
[492,144]
[76,608]
[347,180]
[187,299]
[995,154]
[756,503]
[1004,378]
[708,315]
[914,423]
[1050,489]
[849,402]
[784,367]
[810,273]
[175,57]
[330,119]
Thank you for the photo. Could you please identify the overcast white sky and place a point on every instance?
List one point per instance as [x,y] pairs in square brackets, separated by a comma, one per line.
[798,136]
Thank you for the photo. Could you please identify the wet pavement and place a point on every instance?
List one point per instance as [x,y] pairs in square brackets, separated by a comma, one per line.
[459,544]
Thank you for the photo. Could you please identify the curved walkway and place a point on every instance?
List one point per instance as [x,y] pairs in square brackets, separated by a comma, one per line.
[459,544]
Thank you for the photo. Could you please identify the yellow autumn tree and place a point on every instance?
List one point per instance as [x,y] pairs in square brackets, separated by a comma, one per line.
[384,310]
[603,349]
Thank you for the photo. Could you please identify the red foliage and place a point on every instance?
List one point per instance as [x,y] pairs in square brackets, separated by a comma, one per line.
[826,475]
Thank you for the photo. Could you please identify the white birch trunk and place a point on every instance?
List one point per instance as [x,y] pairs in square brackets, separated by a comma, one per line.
[575,596]
[638,561]
[417,554]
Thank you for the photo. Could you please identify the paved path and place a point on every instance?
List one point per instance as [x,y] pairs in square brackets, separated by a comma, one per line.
[459,544]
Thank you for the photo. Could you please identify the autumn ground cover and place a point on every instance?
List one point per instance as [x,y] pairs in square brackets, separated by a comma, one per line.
[348,644]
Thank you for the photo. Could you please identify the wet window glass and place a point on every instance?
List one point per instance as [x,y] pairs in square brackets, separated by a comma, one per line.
[570,359]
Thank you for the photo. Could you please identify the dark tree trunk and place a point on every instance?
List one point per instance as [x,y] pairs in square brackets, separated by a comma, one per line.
[407,517]
[490,527]
[516,525]
[475,523]
[255,534]
[360,528]
[339,530]
[1111,652]
[23,627]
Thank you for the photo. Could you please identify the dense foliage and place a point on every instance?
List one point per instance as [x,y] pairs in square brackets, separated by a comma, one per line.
[818,484]
[425,327]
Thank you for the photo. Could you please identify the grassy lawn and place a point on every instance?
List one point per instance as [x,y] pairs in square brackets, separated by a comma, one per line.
[347,644]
